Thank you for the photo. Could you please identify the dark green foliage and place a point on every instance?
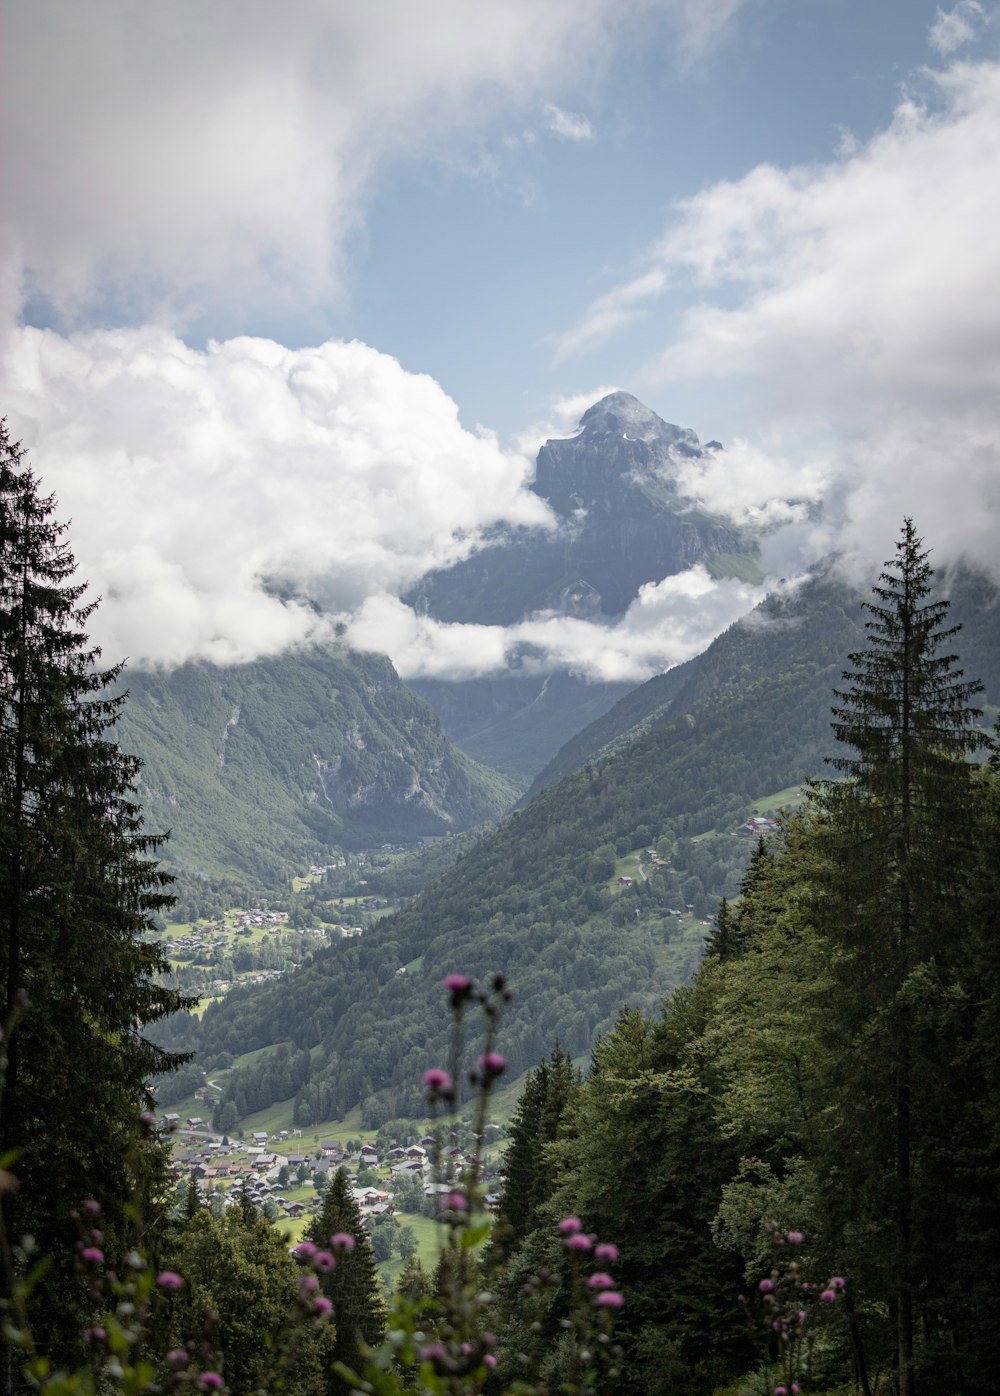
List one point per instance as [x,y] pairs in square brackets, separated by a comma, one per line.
[832,1066]
[359,1309]
[897,834]
[78,889]
[527,1168]
[239,1291]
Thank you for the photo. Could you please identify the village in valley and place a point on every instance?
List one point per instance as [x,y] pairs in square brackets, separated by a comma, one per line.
[397,1182]
[398,1187]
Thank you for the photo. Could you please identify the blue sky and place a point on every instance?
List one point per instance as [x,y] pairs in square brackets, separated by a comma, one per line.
[470,263]
[297,295]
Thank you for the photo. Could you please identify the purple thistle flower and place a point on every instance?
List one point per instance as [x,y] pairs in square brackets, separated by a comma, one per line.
[177,1358]
[609,1299]
[456,1201]
[781,1391]
[600,1281]
[305,1250]
[92,1255]
[766,1286]
[210,1381]
[342,1241]
[437,1080]
[459,986]
[577,1242]
[569,1225]
[491,1064]
[170,1280]
[322,1305]
[837,1282]
[91,1208]
[795,1238]
[829,1296]
[490,1360]
[606,1250]
[323,1260]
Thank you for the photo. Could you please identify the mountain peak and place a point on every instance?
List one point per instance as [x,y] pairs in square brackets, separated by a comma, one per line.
[623,416]
[622,413]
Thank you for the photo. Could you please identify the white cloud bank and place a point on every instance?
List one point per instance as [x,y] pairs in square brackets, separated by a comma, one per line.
[669,622]
[854,303]
[193,478]
[171,165]
[199,484]
[187,157]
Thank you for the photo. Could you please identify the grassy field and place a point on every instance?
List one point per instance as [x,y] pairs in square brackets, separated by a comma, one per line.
[789,798]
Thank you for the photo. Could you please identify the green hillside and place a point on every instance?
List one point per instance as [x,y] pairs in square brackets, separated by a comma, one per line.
[541,899]
[260,769]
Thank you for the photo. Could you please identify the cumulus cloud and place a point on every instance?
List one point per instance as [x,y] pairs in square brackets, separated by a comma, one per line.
[852,300]
[232,502]
[165,165]
[169,159]
[203,486]
[668,622]
[567,125]
[754,486]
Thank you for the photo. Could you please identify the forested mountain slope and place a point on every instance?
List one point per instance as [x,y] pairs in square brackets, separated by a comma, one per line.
[538,898]
[975,607]
[260,769]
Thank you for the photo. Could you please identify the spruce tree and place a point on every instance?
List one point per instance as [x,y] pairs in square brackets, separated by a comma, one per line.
[547,1092]
[78,890]
[359,1308]
[898,832]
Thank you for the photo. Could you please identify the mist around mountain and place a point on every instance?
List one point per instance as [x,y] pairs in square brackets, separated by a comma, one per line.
[621,522]
[260,769]
[975,608]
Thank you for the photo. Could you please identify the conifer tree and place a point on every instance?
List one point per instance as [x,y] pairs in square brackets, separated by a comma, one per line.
[359,1308]
[547,1092]
[78,889]
[898,832]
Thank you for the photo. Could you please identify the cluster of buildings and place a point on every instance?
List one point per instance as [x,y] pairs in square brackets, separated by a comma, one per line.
[266,1174]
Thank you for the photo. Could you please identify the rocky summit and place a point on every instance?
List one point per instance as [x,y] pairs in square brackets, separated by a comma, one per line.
[621,522]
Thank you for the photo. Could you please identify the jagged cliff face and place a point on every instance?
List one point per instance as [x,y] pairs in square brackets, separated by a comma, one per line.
[621,523]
